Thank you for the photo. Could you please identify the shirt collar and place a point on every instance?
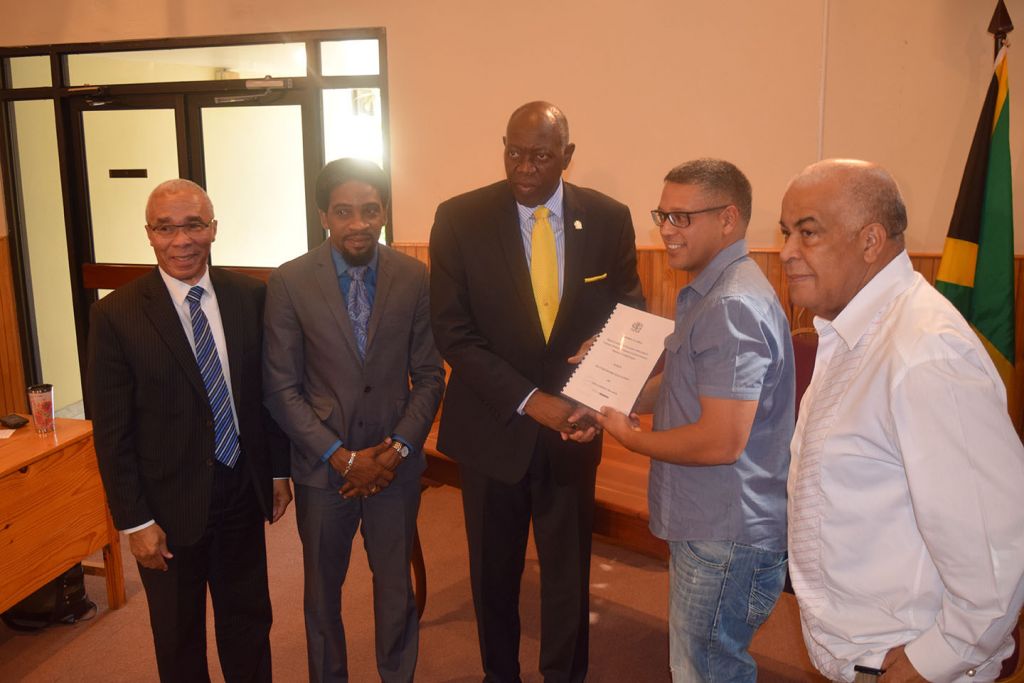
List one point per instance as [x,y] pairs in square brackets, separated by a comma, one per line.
[703,283]
[179,290]
[853,321]
[554,204]
[341,266]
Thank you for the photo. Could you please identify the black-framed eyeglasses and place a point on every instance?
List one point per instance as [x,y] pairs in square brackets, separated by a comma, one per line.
[171,229]
[680,219]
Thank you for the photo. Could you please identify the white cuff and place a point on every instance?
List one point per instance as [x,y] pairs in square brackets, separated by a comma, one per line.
[522,406]
[139,527]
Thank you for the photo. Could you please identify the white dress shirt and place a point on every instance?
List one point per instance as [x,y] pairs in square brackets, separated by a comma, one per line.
[916,505]
[179,291]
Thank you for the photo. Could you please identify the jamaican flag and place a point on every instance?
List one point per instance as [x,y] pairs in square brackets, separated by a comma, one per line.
[976,271]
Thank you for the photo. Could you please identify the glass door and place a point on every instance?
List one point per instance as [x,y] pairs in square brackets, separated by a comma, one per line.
[250,154]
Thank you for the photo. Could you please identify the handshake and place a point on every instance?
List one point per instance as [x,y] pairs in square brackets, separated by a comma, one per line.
[574,421]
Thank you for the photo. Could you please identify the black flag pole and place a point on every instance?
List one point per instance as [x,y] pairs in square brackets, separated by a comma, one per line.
[1000,26]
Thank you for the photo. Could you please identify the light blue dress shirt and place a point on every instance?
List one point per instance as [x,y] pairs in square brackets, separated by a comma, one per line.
[731,341]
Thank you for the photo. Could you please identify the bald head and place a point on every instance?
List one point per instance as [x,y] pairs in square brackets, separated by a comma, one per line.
[541,115]
[537,150]
[864,192]
[181,187]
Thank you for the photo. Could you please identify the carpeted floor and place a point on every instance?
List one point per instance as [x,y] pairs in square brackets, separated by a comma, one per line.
[628,634]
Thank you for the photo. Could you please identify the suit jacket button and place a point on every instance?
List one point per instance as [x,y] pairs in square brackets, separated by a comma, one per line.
[367,389]
[209,423]
[209,462]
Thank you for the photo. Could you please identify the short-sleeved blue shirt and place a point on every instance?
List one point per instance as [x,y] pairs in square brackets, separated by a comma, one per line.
[731,341]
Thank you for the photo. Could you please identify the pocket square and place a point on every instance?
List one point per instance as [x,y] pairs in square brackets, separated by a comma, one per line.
[595,278]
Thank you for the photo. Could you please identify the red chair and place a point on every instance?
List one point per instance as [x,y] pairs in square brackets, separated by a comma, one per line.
[805,347]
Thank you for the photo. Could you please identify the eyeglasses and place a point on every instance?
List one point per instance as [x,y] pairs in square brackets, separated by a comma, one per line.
[680,219]
[191,228]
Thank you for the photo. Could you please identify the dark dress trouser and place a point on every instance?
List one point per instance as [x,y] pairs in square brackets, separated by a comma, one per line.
[560,502]
[230,557]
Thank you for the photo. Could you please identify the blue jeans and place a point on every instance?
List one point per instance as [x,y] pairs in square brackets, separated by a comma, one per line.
[721,592]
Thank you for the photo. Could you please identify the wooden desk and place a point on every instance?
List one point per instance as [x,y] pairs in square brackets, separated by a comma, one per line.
[53,511]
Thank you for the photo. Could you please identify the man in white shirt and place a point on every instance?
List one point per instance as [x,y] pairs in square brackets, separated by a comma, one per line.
[904,489]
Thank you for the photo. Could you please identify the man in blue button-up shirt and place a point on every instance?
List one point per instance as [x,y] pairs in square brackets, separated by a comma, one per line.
[723,419]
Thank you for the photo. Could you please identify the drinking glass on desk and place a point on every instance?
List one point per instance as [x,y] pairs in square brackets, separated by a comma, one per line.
[40,401]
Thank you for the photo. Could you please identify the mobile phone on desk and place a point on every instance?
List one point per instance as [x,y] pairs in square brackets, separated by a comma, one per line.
[13,421]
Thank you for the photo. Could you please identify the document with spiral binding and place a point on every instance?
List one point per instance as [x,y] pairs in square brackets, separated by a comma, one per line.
[620,360]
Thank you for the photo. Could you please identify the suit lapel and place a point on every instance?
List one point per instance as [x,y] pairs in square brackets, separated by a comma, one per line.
[160,311]
[575,250]
[231,306]
[385,279]
[510,237]
[327,279]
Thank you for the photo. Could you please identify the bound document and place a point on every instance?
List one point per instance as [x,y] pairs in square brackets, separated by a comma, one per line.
[620,361]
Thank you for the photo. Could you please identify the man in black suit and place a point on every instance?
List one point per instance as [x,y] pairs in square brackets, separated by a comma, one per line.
[522,273]
[190,461]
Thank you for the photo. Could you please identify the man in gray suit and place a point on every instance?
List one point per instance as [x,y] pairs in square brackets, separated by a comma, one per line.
[352,375]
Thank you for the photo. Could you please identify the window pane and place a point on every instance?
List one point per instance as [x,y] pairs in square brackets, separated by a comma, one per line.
[352,124]
[254,175]
[30,72]
[350,58]
[188,64]
[126,139]
[38,182]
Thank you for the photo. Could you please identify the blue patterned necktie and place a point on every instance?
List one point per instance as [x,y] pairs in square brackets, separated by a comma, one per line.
[358,302]
[225,437]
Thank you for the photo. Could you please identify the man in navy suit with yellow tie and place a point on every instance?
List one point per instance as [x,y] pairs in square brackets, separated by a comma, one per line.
[523,271]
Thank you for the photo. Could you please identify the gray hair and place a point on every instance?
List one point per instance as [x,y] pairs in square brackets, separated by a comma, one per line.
[870,192]
[719,176]
[178,186]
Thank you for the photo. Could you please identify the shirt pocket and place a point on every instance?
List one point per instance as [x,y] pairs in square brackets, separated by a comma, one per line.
[674,341]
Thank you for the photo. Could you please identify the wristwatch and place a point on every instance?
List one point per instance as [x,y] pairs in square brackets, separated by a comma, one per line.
[401,449]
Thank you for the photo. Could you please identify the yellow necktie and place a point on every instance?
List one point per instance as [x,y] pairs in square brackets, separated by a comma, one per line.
[544,269]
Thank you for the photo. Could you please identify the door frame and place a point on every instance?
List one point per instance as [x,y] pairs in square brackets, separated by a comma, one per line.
[83,272]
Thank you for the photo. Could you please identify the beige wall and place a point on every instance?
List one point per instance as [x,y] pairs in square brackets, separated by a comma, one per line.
[645,84]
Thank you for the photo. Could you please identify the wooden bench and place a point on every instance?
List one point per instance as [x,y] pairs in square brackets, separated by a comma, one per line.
[620,502]
[620,496]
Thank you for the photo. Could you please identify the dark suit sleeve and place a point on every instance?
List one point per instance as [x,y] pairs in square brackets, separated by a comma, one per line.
[111,387]
[283,372]
[426,373]
[627,281]
[467,351]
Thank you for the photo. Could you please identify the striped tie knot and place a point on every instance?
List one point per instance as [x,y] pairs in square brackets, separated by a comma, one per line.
[195,295]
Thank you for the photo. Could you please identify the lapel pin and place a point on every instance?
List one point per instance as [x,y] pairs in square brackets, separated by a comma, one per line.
[577,224]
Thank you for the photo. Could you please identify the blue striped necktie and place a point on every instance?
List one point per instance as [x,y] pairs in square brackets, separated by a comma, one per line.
[225,437]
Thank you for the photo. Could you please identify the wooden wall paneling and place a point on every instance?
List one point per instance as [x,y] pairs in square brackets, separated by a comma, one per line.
[12,372]
[661,285]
